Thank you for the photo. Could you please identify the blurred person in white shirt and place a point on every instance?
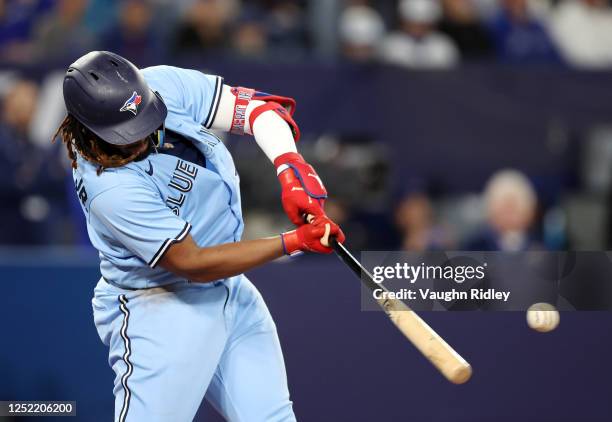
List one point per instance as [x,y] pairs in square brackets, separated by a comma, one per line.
[361,29]
[418,44]
[582,30]
[510,202]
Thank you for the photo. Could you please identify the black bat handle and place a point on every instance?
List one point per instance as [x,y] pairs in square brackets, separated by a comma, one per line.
[350,261]
[345,256]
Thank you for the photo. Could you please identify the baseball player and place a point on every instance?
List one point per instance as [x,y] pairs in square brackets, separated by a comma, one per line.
[161,198]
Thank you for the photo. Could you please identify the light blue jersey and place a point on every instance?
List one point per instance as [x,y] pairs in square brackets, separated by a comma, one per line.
[135,212]
[172,346]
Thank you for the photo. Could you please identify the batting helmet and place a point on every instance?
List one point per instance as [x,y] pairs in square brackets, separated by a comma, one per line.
[109,96]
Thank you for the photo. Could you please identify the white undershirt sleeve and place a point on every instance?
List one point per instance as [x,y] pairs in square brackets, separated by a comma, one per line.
[272,133]
[225,112]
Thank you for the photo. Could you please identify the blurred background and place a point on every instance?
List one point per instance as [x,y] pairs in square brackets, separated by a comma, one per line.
[451,124]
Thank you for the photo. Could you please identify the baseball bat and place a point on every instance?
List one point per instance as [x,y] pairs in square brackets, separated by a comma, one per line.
[420,334]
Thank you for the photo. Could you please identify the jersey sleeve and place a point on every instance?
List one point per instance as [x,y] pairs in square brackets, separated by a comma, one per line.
[138,219]
[194,92]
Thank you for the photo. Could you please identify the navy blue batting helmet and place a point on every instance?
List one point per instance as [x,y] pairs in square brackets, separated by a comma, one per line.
[109,96]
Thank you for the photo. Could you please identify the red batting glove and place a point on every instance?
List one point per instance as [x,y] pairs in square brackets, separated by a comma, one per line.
[303,192]
[310,237]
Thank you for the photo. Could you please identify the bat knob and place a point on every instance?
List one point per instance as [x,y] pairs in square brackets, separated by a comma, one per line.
[460,374]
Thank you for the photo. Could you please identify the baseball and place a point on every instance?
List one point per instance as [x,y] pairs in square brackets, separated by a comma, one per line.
[542,317]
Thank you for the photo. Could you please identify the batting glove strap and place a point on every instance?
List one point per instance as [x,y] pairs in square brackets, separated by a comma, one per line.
[291,243]
[305,174]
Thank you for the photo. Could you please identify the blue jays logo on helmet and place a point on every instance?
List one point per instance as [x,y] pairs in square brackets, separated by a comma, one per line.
[131,104]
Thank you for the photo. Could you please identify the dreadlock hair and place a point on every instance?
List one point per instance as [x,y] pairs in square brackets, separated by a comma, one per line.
[79,139]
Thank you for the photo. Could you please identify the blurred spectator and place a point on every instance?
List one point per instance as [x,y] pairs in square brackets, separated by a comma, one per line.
[360,30]
[18,18]
[63,33]
[18,108]
[417,44]
[101,15]
[134,36]
[462,23]
[414,218]
[287,34]
[204,27]
[486,8]
[510,202]
[519,36]
[31,179]
[50,109]
[583,32]
[250,38]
